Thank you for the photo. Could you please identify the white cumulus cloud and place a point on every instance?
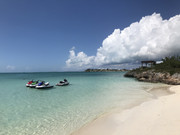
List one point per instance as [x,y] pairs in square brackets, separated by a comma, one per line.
[151,38]
[79,61]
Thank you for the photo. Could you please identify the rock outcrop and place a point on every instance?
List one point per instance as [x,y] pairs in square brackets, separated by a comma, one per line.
[152,76]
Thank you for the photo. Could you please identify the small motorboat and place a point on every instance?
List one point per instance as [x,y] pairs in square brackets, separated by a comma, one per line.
[63,83]
[33,84]
[43,85]
[29,83]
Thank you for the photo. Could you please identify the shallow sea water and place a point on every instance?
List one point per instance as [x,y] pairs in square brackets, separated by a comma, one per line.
[62,110]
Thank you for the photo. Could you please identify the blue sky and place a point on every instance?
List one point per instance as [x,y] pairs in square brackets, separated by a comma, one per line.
[36,35]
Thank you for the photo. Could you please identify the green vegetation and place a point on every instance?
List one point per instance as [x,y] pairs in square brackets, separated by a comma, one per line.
[170,65]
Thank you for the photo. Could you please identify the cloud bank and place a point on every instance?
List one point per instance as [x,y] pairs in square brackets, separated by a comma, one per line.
[151,38]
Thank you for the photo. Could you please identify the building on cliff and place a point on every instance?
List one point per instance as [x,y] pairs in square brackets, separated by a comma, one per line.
[148,63]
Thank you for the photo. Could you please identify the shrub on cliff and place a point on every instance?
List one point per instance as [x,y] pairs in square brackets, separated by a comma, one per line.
[170,65]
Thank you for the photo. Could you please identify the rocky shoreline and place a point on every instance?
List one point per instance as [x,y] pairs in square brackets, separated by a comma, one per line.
[155,77]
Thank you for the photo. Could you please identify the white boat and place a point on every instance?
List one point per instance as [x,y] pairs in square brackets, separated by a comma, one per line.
[34,84]
[63,83]
[43,85]
[29,83]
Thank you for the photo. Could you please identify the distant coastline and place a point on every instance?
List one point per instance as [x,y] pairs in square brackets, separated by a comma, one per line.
[105,70]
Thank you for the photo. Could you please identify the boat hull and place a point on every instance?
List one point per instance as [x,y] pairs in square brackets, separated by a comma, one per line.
[62,84]
[27,85]
[44,87]
[32,86]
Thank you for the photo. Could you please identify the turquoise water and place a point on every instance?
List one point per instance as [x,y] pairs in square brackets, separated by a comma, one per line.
[62,110]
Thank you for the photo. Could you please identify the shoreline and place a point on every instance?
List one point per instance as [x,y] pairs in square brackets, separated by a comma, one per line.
[150,117]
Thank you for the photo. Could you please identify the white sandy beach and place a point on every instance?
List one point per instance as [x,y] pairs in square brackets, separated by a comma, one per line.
[159,116]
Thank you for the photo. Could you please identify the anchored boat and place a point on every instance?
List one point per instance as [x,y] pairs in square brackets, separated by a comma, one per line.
[43,85]
[29,83]
[63,83]
[33,84]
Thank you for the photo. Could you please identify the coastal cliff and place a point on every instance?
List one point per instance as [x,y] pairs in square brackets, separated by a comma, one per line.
[167,72]
[155,77]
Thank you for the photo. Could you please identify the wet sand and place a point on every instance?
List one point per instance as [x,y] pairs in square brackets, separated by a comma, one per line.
[160,116]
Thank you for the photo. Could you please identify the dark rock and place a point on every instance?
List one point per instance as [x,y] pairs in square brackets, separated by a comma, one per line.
[155,77]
